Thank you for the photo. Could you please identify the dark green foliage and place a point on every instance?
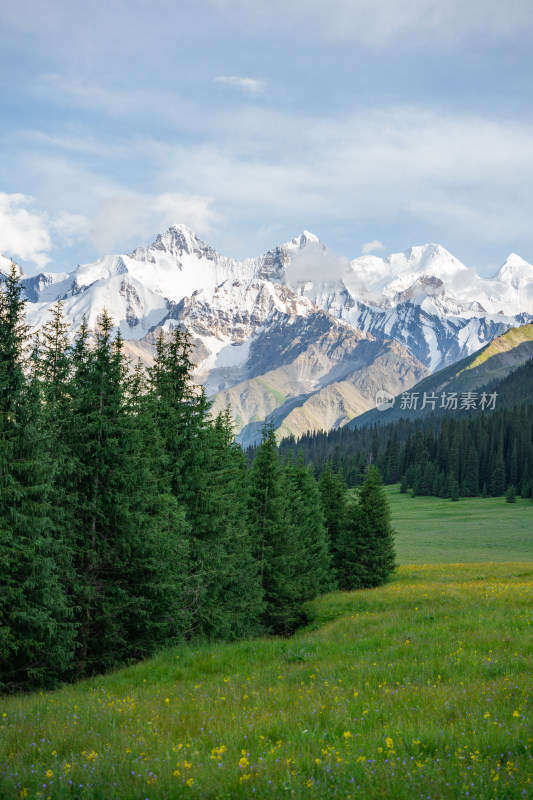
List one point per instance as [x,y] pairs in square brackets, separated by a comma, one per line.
[232,600]
[510,495]
[334,496]
[455,494]
[36,637]
[128,532]
[206,474]
[307,517]
[274,537]
[492,449]
[367,543]
[498,482]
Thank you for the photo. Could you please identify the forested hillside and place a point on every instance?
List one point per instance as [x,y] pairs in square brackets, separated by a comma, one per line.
[465,453]
[129,519]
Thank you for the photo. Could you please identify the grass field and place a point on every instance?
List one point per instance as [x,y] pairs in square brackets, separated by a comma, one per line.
[418,689]
[431,531]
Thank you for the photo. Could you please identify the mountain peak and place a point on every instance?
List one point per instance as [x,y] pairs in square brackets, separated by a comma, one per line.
[182,236]
[306,237]
[178,240]
[514,260]
[429,252]
[515,272]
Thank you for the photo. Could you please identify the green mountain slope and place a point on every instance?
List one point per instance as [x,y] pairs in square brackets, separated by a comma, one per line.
[481,370]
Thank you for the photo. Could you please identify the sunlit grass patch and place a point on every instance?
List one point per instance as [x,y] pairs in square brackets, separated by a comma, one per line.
[421,687]
[475,529]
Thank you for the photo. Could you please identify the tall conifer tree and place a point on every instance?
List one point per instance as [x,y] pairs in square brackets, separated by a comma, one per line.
[206,477]
[274,538]
[334,496]
[307,516]
[36,636]
[129,541]
[367,546]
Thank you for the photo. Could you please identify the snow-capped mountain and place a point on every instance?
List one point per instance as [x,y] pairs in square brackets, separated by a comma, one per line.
[252,317]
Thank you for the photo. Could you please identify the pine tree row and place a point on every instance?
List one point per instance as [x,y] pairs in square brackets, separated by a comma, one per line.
[486,454]
[129,519]
[479,454]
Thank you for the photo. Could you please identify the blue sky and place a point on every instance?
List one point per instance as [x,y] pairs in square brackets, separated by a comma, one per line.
[375,125]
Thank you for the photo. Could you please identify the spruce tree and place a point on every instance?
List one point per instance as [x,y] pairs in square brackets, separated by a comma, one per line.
[206,474]
[307,517]
[36,635]
[367,546]
[470,486]
[497,483]
[232,603]
[274,538]
[128,534]
[334,496]
[393,473]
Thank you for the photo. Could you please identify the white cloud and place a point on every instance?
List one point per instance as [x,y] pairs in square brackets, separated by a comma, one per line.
[69,227]
[371,247]
[250,85]
[452,175]
[413,24]
[24,234]
[128,218]
[467,172]
[317,263]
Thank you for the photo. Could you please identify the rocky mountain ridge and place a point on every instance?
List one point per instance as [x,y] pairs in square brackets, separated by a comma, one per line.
[278,333]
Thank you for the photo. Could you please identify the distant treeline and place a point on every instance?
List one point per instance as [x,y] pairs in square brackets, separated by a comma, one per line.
[129,519]
[463,454]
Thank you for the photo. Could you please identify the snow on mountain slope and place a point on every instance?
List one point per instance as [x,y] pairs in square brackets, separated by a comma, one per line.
[178,263]
[243,315]
[425,298]
[313,373]
[431,271]
[46,286]
[134,308]
[227,319]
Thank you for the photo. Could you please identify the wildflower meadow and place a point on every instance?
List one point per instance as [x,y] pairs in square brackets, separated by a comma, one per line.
[420,689]
[417,689]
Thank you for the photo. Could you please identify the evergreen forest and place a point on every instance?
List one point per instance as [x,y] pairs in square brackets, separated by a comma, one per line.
[463,454]
[131,521]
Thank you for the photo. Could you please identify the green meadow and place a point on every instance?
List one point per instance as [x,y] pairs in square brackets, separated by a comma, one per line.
[434,531]
[418,689]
